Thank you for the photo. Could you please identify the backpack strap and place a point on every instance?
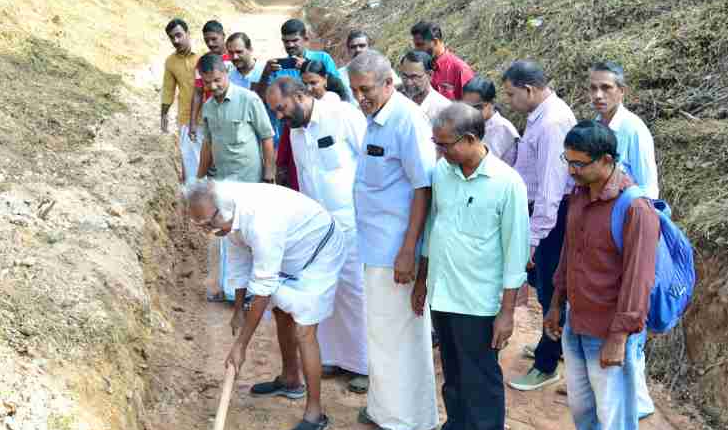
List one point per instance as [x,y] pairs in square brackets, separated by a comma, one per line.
[619,212]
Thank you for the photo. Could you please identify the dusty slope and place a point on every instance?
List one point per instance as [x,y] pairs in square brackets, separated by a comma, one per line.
[86,190]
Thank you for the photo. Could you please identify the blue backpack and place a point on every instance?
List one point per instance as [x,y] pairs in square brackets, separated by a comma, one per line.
[674,268]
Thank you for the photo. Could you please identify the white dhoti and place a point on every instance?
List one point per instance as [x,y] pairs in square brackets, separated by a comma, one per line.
[343,337]
[190,151]
[308,296]
[401,370]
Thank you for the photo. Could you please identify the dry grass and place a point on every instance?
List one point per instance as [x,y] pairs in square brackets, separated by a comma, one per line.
[63,62]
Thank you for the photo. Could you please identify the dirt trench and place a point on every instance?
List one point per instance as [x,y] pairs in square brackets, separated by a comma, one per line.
[186,366]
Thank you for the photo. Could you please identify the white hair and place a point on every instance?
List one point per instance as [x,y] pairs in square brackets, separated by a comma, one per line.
[371,61]
[200,191]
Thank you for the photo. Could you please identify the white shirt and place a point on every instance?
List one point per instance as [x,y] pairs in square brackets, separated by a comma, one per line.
[326,152]
[397,157]
[275,230]
[434,103]
[501,138]
[330,96]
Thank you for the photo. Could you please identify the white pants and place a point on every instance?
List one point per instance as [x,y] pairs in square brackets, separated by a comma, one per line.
[343,336]
[190,151]
[401,369]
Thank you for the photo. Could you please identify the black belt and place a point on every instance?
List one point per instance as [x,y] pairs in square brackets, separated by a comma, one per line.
[316,252]
[321,244]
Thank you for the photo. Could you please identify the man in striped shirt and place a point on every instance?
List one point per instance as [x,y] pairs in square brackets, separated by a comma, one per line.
[539,162]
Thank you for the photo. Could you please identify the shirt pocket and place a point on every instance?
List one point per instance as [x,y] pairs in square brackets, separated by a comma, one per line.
[375,165]
[328,153]
[241,132]
[477,219]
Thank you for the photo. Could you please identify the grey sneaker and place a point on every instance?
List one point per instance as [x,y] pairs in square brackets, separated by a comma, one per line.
[276,387]
[534,380]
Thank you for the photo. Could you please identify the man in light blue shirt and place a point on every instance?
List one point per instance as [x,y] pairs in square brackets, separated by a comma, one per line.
[635,146]
[636,151]
[248,70]
[478,243]
[391,198]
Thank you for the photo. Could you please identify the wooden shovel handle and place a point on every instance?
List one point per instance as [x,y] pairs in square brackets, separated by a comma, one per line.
[227,389]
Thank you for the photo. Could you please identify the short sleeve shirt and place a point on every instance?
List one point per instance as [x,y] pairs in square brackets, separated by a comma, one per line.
[397,158]
[234,129]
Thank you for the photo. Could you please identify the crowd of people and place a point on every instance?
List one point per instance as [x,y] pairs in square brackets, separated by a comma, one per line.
[375,209]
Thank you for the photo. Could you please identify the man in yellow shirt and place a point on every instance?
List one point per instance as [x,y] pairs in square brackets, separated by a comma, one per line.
[179,78]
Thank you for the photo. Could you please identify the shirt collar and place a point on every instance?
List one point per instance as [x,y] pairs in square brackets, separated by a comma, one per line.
[617,118]
[493,119]
[228,94]
[617,182]
[442,58]
[189,54]
[539,111]
[485,168]
[315,113]
[384,113]
[428,98]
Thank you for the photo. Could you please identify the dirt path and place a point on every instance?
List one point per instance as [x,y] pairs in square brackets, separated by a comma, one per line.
[188,371]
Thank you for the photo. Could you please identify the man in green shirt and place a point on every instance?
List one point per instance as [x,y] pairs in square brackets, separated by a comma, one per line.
[477,238]
[238,137]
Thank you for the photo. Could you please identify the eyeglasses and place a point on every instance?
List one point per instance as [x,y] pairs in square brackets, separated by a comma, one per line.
[207,224]
[444,146]
[478,106]
[415,77]
[576,164]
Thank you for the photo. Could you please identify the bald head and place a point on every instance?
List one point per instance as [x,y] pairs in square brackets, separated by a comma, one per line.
[290,101]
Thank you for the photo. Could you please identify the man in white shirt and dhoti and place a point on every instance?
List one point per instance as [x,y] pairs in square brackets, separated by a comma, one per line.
[326,138]
[288,251]
[392,197]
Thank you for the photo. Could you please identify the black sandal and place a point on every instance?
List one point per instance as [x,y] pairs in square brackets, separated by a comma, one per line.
[307,425]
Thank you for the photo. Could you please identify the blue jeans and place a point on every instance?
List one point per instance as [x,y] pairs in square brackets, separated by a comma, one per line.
[600,399]
[645,406]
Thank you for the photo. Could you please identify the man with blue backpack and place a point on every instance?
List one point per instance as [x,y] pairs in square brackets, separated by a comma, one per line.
[636,151]
[624,267]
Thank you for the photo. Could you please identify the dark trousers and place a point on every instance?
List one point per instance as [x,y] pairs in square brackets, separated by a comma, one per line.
[473,390]
[547,257]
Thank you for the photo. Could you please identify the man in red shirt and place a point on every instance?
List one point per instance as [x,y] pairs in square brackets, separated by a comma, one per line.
[607,290]
[449,72]
[214,36]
